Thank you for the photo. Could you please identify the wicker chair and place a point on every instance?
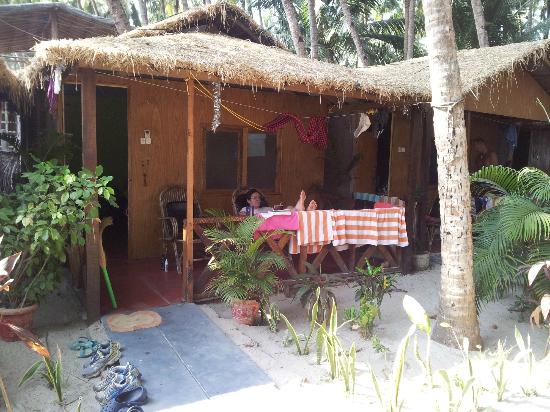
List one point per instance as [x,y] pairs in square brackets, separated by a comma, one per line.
[238,200]
[173,209]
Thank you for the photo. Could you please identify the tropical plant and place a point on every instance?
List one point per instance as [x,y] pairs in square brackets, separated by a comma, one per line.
[373,284]
[50,370]
[244,269]
[513,235]
[304,350]
[310,282]
[49,210]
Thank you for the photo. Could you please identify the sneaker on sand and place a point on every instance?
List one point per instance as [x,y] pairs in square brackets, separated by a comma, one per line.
[101,359]
[113,371]
[119,384]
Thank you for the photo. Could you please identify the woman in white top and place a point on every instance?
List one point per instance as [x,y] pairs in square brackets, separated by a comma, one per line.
[254,200]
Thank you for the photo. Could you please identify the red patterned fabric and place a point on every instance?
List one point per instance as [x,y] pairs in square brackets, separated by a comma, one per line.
[316,134]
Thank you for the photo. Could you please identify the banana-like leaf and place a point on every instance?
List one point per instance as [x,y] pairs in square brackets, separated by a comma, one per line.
[7,264]
[417,314]
[293,333]
[29,339]
[545,306]
[30,372]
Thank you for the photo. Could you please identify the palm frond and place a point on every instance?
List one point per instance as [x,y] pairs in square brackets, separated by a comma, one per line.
[497,180]
[535,182]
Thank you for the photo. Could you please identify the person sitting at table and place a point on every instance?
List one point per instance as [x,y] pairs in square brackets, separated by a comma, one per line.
[254,199]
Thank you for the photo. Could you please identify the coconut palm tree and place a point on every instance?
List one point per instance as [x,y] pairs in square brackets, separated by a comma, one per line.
[479,20]
[292,19]
[409,14]
[515,234]
[457,294]
[361,55]
[313,32]
[119,15]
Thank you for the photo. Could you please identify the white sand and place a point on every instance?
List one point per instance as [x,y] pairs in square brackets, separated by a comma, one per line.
[300,375]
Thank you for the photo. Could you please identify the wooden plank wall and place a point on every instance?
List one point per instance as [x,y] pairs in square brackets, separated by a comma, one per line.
[513,96]
[162,163]
[399,160]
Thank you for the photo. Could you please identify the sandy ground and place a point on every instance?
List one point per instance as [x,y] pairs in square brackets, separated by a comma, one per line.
[294,374]
[299,382]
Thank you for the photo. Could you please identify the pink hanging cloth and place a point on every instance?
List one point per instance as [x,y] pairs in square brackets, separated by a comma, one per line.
[316,134]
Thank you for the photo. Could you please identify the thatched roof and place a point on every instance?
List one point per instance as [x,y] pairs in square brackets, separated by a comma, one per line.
[233,60]
[23,25]
[222,17]
[478,67]
[11,87]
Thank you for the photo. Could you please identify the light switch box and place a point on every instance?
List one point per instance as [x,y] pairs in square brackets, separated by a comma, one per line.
[400,149]
[142,140]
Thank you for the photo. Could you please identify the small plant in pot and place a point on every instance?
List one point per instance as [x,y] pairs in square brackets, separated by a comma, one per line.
[49,210]
[245,270]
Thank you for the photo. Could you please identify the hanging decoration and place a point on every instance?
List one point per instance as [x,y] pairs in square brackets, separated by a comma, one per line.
[363,125]
[217,101]
[316,134]
[54,88]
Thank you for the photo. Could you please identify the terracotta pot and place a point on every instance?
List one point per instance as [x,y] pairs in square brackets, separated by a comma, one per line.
[21,317]
[245,311]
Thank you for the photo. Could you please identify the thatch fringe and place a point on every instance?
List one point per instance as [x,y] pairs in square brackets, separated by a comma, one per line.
[13,88]
[227,14]
[478,68]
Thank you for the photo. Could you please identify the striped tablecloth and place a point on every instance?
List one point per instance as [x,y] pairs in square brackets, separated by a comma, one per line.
[349,227]
[370,227]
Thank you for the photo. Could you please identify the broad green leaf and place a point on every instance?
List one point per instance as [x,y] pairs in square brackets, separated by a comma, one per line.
[30,372]
[417,314]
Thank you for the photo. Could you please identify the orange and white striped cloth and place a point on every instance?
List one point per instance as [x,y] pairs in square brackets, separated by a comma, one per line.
[315,229]
[370,226]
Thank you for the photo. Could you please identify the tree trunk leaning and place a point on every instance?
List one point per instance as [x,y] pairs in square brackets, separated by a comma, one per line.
[410,30]
[142,11]
[479,19]
[348,19]
[119,16]
[313,30]
[292,18]
[457,294]
[406,5]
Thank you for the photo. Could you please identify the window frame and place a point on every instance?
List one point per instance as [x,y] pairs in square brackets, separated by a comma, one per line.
[242,156]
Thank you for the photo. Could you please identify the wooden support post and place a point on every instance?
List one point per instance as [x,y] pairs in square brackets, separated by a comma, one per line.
[54,30]
[188,235]
[89,161]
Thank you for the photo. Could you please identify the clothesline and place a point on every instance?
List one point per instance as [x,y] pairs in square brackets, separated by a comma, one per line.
[333,116]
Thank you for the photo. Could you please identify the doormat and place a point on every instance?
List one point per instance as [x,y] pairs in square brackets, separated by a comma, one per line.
[142,319]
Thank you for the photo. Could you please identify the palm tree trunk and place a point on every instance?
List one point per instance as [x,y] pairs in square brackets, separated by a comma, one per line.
[479,20]
[184,5]
[142,11]
[119,15]
[348,19]
[410,30]
[406,5]
[260,15]
[163,8]
[314,34]
[94,6]
[457,294]
[292,18]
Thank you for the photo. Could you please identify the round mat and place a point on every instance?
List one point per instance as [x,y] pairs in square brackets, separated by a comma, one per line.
[142,319]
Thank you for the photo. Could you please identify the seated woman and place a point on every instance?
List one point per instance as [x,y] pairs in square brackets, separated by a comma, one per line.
[254,200]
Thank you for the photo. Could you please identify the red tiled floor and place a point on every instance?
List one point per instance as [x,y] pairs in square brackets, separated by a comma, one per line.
[141,284]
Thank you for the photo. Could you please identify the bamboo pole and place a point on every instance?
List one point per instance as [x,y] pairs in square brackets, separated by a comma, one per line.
[188,235]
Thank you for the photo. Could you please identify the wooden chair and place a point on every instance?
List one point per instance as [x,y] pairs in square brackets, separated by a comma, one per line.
[173,211]
[238,199]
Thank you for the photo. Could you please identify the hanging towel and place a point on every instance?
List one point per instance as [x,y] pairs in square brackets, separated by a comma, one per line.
[364,124]
[316,134]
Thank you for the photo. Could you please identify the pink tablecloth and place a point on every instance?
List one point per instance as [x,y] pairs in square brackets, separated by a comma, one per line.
[279,222]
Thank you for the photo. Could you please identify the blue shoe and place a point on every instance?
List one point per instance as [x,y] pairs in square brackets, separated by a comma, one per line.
[128,400]
[119,385]
[101,359]
[113,372]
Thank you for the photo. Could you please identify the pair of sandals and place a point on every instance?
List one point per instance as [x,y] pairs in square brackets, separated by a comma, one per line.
[85,346]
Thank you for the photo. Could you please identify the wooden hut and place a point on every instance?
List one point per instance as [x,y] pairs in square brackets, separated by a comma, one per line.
[504,87]
[166,74]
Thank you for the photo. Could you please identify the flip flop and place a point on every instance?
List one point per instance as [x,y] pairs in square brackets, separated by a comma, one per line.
[85,345]
[77,343]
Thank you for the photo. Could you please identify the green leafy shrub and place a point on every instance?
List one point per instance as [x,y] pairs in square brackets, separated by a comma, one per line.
[514,234]
[49,210]
[244,269]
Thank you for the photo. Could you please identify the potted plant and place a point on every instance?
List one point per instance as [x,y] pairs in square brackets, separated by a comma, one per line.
[245,271]
[49,210]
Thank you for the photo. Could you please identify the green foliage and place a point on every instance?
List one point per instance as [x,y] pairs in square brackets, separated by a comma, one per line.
[512,236]
[313,322]
[310,282]
[48,211]
[273,315]
[244,269]
[373,283]
[378,346]
[498,371]
[50,370]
